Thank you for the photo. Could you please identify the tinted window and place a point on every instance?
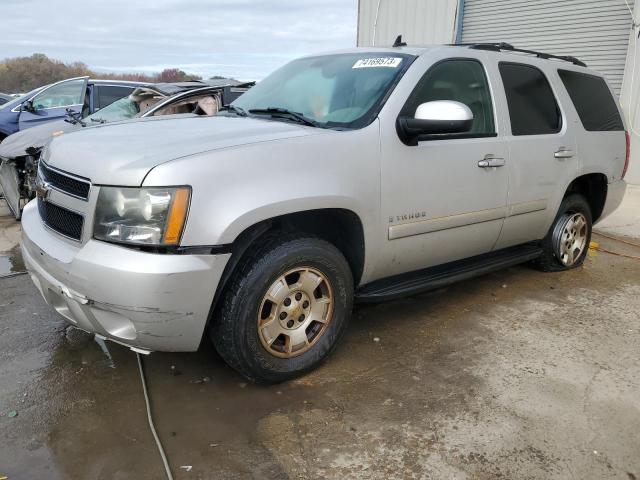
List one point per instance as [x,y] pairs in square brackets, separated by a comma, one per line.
[593,101]
[461,80]
[108,95]
[532,106]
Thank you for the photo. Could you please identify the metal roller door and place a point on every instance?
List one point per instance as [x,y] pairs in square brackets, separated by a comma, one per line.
[595,31]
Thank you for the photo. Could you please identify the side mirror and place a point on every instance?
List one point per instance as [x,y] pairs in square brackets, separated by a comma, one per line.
[435,118]
[28,106]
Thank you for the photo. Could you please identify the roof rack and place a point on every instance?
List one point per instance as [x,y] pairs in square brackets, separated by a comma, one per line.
[500,46]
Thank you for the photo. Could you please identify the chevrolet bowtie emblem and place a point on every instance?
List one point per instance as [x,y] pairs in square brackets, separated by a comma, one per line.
[43,189]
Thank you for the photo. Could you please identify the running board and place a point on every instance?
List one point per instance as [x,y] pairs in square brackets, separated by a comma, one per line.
[442,275]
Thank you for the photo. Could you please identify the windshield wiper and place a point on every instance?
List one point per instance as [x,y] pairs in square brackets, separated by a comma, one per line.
[73,118]
[237,110]
[98,120]
[284,112]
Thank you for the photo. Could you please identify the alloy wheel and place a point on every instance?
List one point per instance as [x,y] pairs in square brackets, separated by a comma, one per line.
[570,238]
[295,312]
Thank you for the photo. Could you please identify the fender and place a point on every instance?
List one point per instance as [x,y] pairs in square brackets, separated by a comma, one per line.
[233,189]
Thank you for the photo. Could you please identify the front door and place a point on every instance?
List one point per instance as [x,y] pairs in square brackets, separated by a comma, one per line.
[52,102]
[445,198]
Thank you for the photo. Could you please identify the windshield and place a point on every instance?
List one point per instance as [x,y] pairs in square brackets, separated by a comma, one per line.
[141,100]
[122,109]
[343,90]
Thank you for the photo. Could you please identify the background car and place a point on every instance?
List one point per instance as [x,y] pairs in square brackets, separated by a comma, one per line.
[82,96]
[5,98]
[20,152]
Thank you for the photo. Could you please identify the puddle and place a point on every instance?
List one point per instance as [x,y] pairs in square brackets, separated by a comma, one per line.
[11,262]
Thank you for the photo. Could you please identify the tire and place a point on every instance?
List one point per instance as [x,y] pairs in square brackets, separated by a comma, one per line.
[245,332]
[567,235]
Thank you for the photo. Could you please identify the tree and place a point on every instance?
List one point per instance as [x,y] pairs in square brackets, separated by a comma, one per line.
[22,74]
[175,75]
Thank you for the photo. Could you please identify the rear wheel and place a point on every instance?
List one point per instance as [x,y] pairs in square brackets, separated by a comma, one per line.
[567,243]
[284,309]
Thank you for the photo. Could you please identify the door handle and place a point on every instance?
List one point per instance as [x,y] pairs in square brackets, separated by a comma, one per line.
[491,161]
[563,153]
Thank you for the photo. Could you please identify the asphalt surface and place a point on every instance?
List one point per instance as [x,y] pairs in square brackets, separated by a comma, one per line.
[515,375]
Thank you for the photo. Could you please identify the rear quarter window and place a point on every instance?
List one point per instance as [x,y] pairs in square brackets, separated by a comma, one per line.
[532,106]
[594,103]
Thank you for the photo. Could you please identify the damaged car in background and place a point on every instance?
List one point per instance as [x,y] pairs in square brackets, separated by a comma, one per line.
[20,152]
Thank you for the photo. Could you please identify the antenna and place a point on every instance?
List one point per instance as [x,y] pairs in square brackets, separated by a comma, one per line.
[399,42]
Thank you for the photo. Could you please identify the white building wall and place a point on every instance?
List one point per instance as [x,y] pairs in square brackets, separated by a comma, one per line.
[595,31]
[421,22]
[630,98]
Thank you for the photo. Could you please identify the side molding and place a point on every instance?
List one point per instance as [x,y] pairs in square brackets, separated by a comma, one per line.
[464,219]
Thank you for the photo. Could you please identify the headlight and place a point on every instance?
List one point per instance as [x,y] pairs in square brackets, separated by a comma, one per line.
[141,216]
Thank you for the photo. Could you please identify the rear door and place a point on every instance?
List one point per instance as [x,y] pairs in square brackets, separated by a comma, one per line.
[542,144]
[52,102]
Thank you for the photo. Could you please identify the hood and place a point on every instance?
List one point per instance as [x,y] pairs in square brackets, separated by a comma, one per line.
[16,145]
[123,153]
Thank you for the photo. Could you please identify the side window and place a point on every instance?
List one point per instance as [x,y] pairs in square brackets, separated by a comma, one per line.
[63,95]
[109,94]
[593,101]
[462,80]
[532,107]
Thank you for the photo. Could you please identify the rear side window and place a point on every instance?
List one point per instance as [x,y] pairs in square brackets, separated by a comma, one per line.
[593,101]
[532,107]
[109,94]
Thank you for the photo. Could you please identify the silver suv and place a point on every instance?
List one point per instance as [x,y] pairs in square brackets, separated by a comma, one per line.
[365,173]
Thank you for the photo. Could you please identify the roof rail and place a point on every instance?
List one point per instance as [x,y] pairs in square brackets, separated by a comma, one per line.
[500,46]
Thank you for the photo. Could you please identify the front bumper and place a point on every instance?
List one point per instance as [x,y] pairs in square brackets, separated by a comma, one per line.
[142,300]
[10,184]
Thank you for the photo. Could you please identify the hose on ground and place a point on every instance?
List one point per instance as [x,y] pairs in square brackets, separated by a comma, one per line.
[151,426]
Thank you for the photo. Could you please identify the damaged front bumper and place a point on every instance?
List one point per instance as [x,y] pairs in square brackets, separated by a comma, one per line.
[149,302]
[10,183]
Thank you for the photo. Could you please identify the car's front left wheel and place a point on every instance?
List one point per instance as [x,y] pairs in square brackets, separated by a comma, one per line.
[284,309]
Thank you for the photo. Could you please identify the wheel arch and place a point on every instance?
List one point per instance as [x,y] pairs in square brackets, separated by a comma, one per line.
[341,227]
[592,186]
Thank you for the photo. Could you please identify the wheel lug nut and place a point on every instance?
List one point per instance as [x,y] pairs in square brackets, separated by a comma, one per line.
[287,302]
[283,315]
[290,323]
[305,304]
[301,318]
[298,296]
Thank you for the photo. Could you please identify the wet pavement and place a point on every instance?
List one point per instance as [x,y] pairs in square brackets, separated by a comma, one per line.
[518,374]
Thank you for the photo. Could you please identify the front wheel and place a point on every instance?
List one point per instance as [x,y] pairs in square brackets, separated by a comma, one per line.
[567,243]
[284,309]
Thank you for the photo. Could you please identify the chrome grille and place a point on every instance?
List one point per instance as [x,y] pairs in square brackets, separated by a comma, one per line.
[61,220]
[70,184]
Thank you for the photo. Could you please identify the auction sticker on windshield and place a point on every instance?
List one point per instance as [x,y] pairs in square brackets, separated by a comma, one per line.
[392,62]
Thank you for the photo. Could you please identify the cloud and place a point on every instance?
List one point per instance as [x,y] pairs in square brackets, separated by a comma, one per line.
[245,39]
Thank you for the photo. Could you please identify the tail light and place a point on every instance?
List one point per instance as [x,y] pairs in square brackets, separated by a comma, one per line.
[628,155]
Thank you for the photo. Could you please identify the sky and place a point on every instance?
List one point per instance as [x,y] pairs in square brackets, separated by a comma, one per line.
[244,39]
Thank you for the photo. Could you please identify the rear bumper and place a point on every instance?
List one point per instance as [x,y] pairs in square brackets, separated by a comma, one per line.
[615,194]
[141,300]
